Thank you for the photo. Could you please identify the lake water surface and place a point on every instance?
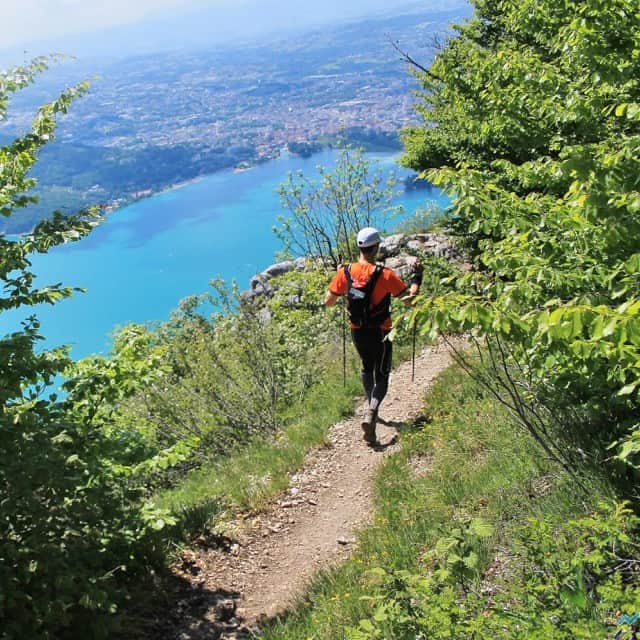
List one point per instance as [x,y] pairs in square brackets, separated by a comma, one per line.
[147,256]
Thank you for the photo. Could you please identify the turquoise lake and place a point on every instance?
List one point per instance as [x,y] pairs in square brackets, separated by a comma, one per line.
[147,256]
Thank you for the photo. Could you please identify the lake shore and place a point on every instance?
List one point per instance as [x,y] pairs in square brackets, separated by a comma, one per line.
[161,249]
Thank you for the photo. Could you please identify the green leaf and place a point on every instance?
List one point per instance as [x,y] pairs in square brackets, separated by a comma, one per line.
[610,328]
[633,111]
[597,327]
[471,561]
[380,614]
[367,625]
[481,528]
[621,109]
[556,317]
[628,448]
[576,328]
[628,389]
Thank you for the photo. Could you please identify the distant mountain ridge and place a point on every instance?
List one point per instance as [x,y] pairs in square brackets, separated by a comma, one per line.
[247,24]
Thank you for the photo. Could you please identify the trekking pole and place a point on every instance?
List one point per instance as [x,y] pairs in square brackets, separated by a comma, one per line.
[344,335]
[413,354]
[344,342]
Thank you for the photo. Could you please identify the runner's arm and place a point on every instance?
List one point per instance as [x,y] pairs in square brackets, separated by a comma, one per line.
[337,287]
[416,280]
[408,295]
[331,298]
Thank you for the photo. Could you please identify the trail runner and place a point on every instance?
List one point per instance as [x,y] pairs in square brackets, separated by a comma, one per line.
[371,325]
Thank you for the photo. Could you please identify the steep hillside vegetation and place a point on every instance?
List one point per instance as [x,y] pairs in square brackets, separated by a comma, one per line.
[532,118]
[477,535]
[525,523]
[228,387]
[511,511]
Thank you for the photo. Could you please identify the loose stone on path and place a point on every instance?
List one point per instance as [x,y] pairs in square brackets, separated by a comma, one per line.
[311,526]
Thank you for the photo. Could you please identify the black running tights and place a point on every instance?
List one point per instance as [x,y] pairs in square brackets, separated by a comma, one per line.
[375,353]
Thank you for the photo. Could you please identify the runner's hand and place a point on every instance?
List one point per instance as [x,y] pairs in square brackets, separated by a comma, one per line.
[416,272]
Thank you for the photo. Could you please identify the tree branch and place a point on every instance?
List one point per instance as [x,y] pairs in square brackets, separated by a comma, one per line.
[408,59]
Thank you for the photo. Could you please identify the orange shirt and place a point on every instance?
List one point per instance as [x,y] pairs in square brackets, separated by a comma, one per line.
[388,282]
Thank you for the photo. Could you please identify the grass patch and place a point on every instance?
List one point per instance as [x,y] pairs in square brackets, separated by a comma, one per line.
[246,479]
[479,466]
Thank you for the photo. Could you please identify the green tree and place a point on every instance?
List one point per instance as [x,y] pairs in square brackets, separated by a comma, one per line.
[325,215]
[70,519]
[532,123]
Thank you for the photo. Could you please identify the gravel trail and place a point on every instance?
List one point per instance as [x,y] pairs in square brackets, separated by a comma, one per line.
[271,556]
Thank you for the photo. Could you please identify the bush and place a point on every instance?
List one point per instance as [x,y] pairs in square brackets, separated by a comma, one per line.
[325,216]
[576,580]
[71,525]
[73,518]
[533,122]
[223,370]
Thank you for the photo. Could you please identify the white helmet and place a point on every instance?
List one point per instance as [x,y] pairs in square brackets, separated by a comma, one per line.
[367,237]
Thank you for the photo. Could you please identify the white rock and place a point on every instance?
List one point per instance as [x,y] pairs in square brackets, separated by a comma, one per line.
[392,244]
[277,269]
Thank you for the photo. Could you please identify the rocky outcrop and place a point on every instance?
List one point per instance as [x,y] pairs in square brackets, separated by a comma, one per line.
[433,244]
[259,284]
[396,251]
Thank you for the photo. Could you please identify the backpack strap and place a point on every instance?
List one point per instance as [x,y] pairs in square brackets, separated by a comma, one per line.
[347,275]
[367,316]
[371,283]
[377,272]
[380,312]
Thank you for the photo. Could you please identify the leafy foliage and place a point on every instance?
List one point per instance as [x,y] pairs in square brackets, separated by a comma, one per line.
[533,124]
[71,520]
[326,216]
[223,370]
[559,582]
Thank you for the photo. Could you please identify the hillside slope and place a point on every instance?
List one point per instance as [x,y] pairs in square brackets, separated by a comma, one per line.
[269,557]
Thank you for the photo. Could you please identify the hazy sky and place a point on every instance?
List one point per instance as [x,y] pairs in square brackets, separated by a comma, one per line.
[70,25]
[26,21]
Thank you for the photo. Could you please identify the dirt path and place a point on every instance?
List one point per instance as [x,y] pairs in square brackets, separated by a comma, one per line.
[273,555]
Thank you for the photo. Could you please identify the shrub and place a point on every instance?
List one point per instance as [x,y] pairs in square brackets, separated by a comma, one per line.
[533,124]
[325,216]
[72,520]
[576,580]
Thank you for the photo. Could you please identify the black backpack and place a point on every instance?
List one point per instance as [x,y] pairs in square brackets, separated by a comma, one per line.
[361,314]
